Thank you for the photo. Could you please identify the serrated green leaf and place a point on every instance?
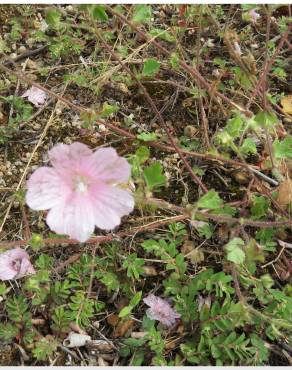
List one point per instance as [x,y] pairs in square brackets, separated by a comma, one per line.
[266,119]
[210,200]
[260,206]
[142,14]
[142,153]
[283,149]
[235,126]
[99,13]
[248,146]
[53,17]
[108,109]
[150,67]
[147,136]
[153,176]
[162,34]
[234,250]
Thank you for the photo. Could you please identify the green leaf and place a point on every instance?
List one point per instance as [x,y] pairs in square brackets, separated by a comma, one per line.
[99,13]
[3,289]
[8,332]
[53,17]
[142,153]
[234,126]
[180,263]
[283,149]
[248,147]
[133,303]
[110,280]
[266,119]
[136,299]
[142,14]
[150,67]
[36,242]
[234,250]
[153,176]
[108,110]
[162,34]
[259,208]
[147,136]
[125,311]
[210,200]
[174,60]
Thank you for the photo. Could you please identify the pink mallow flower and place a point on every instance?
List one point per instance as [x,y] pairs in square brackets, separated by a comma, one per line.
[35,95]
[14,264]
[81,190]
[160,310]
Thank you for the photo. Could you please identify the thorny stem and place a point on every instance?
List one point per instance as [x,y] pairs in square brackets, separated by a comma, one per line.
[192,70]
[118,130]
[156,111]
[253,311]
[186,214]
[268,66]
[99,239]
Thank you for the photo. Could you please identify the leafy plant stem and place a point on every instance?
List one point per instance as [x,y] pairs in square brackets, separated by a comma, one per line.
[155,110]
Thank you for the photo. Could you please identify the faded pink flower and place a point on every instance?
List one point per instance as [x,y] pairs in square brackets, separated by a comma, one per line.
[81,190]
[160,310]
[15,264]
[254,15]
[36,96]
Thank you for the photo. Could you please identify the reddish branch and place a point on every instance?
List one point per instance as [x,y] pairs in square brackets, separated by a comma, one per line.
[191,70]
[158,114]
[268,64]
[118,130]
[98,239]
[186,214]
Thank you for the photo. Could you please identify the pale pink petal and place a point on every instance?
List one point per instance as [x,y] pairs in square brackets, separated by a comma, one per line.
[74,218]
[26,268]
[35,95]
[70,157]
[6,270]
[160,310]
[15,264]
[109,205]
[109,167]
[81,190]
[45,189]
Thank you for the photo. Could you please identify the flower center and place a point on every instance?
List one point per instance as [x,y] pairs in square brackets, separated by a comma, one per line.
[16,265]
[80,184]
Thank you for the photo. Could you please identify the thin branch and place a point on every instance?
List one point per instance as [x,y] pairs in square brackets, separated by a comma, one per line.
[192,70]
[118,130]
[156,111]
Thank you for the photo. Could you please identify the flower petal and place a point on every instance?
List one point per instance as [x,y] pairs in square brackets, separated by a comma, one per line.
[69,157]
[45,189]
[35,95]
[110,204]
[73,217]
[26,268]
[109,167]
[7,272]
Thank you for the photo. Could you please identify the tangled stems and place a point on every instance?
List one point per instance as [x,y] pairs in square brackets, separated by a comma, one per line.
[187,213]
